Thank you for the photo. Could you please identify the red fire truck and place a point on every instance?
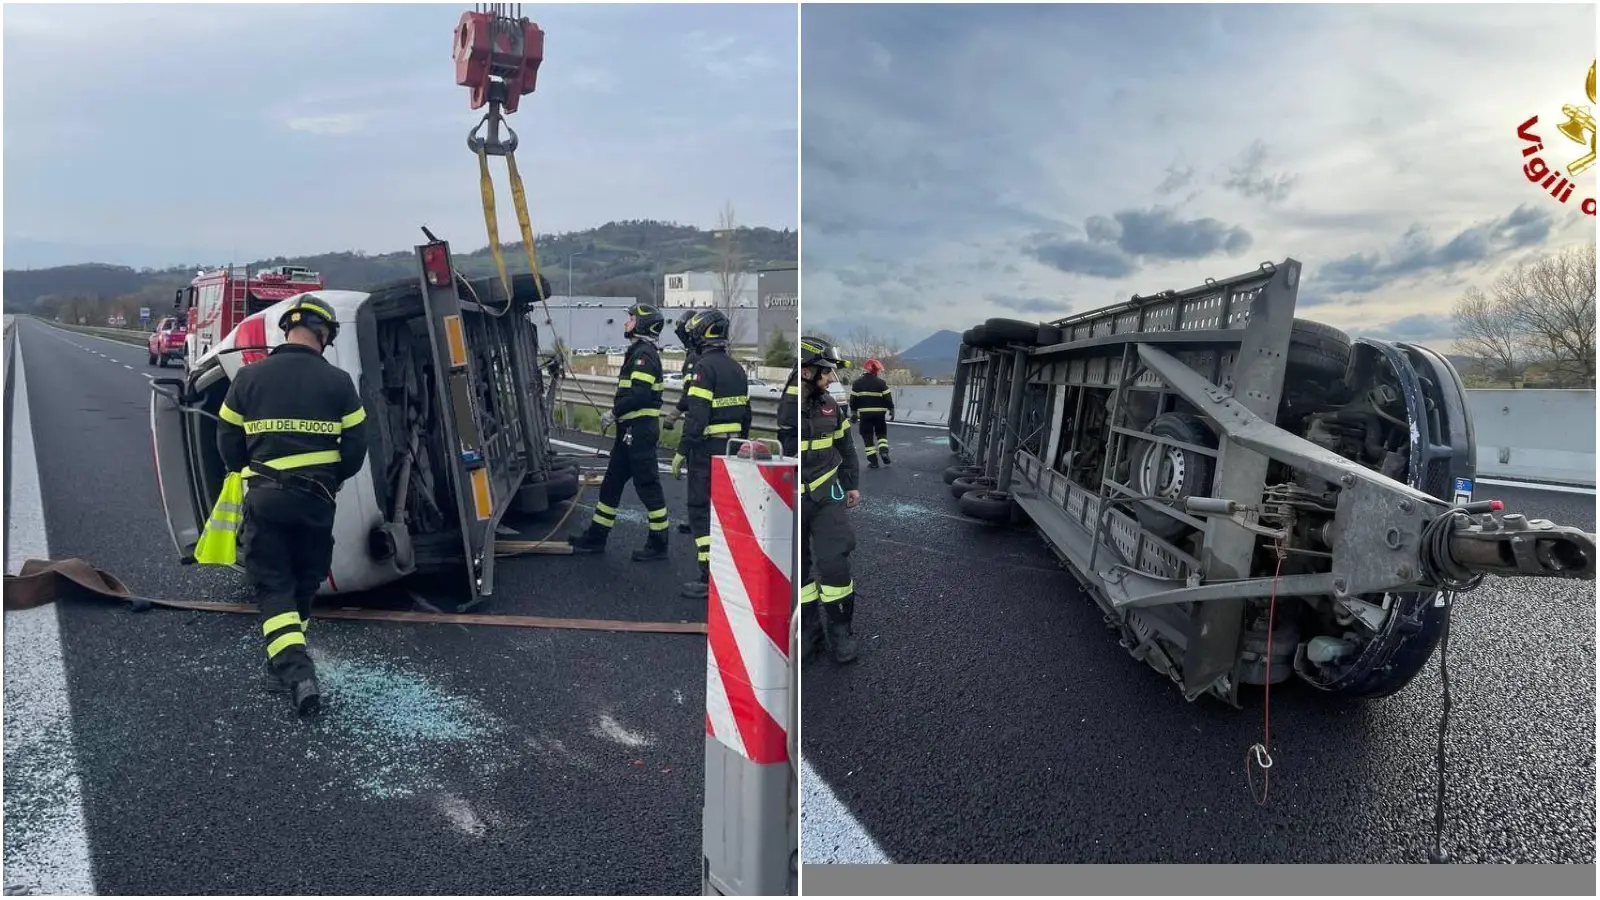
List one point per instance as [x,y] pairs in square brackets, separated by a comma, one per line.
[216,302]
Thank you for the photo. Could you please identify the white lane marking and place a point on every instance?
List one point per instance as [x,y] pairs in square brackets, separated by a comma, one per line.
[828,832]
[47,842]
[128,367]
[1536,486]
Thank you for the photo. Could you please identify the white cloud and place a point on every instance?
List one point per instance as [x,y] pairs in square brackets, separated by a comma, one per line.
[1091,152]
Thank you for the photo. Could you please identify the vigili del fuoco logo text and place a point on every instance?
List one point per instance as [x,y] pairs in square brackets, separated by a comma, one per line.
[1580,129]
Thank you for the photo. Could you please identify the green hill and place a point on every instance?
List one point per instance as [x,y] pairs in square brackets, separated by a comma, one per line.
[618,259]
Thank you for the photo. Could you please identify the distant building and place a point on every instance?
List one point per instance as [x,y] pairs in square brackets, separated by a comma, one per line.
[590,323]
[778,296]
[702,290]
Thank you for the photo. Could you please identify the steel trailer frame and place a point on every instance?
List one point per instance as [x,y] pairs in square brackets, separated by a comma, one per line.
[1224,348]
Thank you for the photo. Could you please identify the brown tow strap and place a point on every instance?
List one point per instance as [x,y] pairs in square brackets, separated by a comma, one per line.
[42,582]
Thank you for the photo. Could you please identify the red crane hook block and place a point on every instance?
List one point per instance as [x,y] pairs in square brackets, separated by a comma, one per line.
[489,47]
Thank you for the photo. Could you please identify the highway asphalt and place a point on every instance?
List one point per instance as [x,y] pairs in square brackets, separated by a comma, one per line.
[992,718]
[449,759]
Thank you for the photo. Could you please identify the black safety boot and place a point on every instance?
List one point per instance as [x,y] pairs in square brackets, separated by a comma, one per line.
[270,681]
[307,697]
[884,453]
[655,547]
[590,540]
[872,462]
[698,590]
[841,639]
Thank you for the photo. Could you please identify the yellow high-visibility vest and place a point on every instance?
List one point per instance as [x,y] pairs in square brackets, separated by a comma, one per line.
[218,545]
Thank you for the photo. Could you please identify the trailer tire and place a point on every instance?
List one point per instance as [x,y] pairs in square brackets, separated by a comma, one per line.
[961,486]
[981,339]
[1317,353]
[1050,334]
[967,339]
[1180,474]
[563,484]
[988,505]
[954,472]
[1012,331]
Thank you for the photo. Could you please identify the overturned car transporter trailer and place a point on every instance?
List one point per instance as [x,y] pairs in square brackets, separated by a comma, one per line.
[1205,463]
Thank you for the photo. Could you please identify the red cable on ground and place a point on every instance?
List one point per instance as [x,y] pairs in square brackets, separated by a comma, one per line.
[1261,753]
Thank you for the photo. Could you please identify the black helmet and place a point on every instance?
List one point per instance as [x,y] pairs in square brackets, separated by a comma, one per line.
[708,329]
[819,353]
[648,321]
[313,311]
[681,329]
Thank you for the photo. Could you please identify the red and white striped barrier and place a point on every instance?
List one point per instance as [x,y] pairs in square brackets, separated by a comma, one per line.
[750,605]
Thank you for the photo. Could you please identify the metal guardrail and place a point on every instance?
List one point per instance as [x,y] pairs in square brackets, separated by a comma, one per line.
[597,391]
[123,335]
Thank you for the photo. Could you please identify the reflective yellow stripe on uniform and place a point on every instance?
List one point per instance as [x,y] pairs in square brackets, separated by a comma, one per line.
[793,391]
[833,594]
[639,414]
[604,514]
[645,377]
[229,415]
[284,642]
[823,479]
[658,519]
[292,426]
[702,393]
[724,402]
[299,461]
[723,428]
[281,620]
[702,547]
[821,443]
[810,593]
[218,544]
[355,418]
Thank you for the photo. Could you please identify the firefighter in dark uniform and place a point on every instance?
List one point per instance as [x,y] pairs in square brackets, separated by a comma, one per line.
[293,423]
[676,413]
[636,413]
[829,476]
[872,408]
[719,409]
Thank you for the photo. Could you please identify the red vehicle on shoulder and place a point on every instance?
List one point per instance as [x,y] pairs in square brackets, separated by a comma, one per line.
[167,342]
[217,301]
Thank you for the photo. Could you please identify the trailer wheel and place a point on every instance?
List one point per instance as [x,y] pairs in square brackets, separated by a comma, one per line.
[1050,334]
[989,506]
[966,338]
[563,484]
[954,472]
[1172,473]
[966,483]
[980,338]
[1012,331]
[1318,353]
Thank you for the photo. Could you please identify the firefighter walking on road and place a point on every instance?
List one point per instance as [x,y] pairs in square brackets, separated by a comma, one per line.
[718,409]
[682,406]
[636,413]
[293,430]
[872,407]
[829,474]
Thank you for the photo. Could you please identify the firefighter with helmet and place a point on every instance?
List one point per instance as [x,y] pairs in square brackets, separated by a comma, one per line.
[292,429]
[682,406]
[636,413]
[872,408]
[718,409]
[829,475]
[789,409]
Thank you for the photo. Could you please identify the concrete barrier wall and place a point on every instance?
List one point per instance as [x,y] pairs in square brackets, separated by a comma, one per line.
[1535,435]
[1529,435]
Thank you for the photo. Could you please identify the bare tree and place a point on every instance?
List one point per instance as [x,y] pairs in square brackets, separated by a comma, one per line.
[865,343]
[1487,330]
[730,266]
[1557,311]
[1541,311]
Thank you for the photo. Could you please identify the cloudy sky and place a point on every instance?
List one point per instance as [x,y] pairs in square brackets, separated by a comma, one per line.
[151,135]
[967,162]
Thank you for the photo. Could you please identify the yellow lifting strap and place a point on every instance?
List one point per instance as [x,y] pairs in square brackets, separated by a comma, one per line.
[519,200]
